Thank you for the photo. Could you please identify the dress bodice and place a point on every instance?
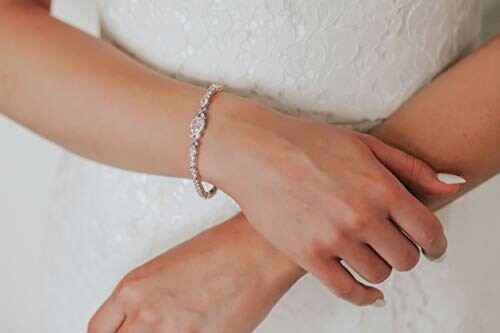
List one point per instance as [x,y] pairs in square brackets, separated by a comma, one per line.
[336,60]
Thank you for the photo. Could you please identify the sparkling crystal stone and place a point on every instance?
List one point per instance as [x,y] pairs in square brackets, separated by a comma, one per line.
[197,125]
[192,150]
[204,101]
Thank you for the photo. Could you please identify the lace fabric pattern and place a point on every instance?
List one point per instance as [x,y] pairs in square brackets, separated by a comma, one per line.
[349,63]
[335,60]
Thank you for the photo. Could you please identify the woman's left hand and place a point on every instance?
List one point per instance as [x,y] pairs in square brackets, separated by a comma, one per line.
[215,282]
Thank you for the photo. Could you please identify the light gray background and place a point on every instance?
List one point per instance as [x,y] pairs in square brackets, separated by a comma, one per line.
[27,170]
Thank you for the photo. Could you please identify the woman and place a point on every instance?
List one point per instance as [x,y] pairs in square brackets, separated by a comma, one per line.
[125,115]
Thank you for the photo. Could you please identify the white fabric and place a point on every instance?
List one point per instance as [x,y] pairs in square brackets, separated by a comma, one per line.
[351,62]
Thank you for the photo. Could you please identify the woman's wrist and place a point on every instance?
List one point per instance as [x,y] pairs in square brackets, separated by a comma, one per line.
[222,145]
[276,272]
[222,142]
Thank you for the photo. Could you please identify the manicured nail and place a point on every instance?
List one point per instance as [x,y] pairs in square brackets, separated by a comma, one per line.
[435,260]
[440,259]
[380,303]
[448,178]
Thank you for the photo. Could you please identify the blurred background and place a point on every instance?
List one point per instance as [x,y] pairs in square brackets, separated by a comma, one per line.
[27,168]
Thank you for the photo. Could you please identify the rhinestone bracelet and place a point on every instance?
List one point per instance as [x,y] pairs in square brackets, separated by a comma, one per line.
[197,128]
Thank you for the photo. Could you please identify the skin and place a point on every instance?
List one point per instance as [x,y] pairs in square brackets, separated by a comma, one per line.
[80,132]
[116,111]
[469,147]
[165,296]
[333,179]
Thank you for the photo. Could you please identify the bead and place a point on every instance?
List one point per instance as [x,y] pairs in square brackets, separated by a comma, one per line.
[197,128]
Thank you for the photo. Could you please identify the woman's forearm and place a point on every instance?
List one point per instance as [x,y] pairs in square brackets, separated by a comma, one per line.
[89,97]
[453,124]
[116,111]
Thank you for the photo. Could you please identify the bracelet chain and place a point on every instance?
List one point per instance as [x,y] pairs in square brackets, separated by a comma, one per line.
[197,128]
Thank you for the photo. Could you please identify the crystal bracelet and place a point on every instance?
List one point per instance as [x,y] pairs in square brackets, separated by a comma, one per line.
[197,128]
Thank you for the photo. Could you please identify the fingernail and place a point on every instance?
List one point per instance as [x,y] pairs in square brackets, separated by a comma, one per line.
[379,303]
[435,260]
[448,178]
[440,259]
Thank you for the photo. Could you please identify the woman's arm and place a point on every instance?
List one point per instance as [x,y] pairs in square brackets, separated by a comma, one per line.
[224,280]
[452,124]
[91,98]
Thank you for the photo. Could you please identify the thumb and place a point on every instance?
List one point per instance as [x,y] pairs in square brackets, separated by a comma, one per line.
[411,171]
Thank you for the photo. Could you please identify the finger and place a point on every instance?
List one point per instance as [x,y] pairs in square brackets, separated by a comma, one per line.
[341,282]
[130,327]
[108,319]
[414,173]
[421,225]
[394,247]
[143,322]
[366,262]
[415,220]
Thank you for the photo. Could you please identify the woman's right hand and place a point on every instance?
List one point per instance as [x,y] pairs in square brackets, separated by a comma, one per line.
[322,194]
[225,279]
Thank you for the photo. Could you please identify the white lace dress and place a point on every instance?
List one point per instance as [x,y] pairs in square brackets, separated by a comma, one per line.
[340,61]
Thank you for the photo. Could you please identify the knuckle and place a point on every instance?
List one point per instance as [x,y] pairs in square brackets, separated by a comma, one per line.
[129,288]
[149,314]
[338,238]
[349,213]
[315,252]
[355,215]
[357,223]
[387,193]
[382,189]
[393,195]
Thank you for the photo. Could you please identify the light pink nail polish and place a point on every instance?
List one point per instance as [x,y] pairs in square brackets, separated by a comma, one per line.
[448,178]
